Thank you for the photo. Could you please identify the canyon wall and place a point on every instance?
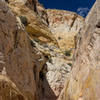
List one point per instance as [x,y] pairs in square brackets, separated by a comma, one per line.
[64,25]
[15,58]
[84,82]
[39,47]
[52,32]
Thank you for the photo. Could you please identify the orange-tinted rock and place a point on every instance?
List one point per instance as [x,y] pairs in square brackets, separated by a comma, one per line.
[16,53]
[9,91]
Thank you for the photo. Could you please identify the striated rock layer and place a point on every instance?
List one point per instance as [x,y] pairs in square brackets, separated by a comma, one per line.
[35,21]
[9,91]
[51,32]
[36,49]
[84,83]
[15,54]
[21,63]
[64,25]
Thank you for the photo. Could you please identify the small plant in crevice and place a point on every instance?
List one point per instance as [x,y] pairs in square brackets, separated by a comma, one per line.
[24,20]
[48,58]
[70,64]
[32,43]
[36,40]
[59,38]
[67,52]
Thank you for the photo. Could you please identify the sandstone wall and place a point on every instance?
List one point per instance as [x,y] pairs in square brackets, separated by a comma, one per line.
[84,82]
[16,54]
[52,32]
[33,42]
[64,25]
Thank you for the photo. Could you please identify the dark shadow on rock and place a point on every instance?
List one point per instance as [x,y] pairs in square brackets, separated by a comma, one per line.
[44,90]
[48,93]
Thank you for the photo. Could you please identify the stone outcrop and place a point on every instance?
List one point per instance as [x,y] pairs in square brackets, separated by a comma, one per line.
[44,28]
[58,72]
[8,90]
[39,24]
[36,52]
[64,25]
[16,60]
[36,22]
[84,83]
[21,63]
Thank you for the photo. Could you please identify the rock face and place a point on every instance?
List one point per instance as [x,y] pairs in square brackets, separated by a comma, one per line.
[21,63]
[58,72]
[44,30]
[36,50]
[84,83]
[35,22]
[64,25]
[8,90]
[15,56]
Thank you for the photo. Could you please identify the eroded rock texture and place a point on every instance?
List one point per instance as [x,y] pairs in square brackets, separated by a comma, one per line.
[16,54]
[39,25]
[36,51]
[84,83]
[21,63]
[9,91]
[64,25]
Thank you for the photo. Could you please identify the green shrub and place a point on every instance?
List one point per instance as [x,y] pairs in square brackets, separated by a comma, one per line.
[36,40]
[32,43]
[70,64]
[68,52]
[59,38]
[23,20]
[50,60]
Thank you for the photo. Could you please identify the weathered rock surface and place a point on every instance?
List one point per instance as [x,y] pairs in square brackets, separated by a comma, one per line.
[84,83]
[40,70]
[58,72]
[36,22]
[15,56]
[20,62]
[64,25]
[9,91]
[46,32]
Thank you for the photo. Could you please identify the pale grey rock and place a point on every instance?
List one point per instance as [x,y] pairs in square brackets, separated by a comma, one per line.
[4,71]
[58,72]
[84,82]
[64,25]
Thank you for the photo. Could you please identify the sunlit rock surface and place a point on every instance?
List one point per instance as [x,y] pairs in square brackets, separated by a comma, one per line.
[36,52]
[65,26]
[84,82]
